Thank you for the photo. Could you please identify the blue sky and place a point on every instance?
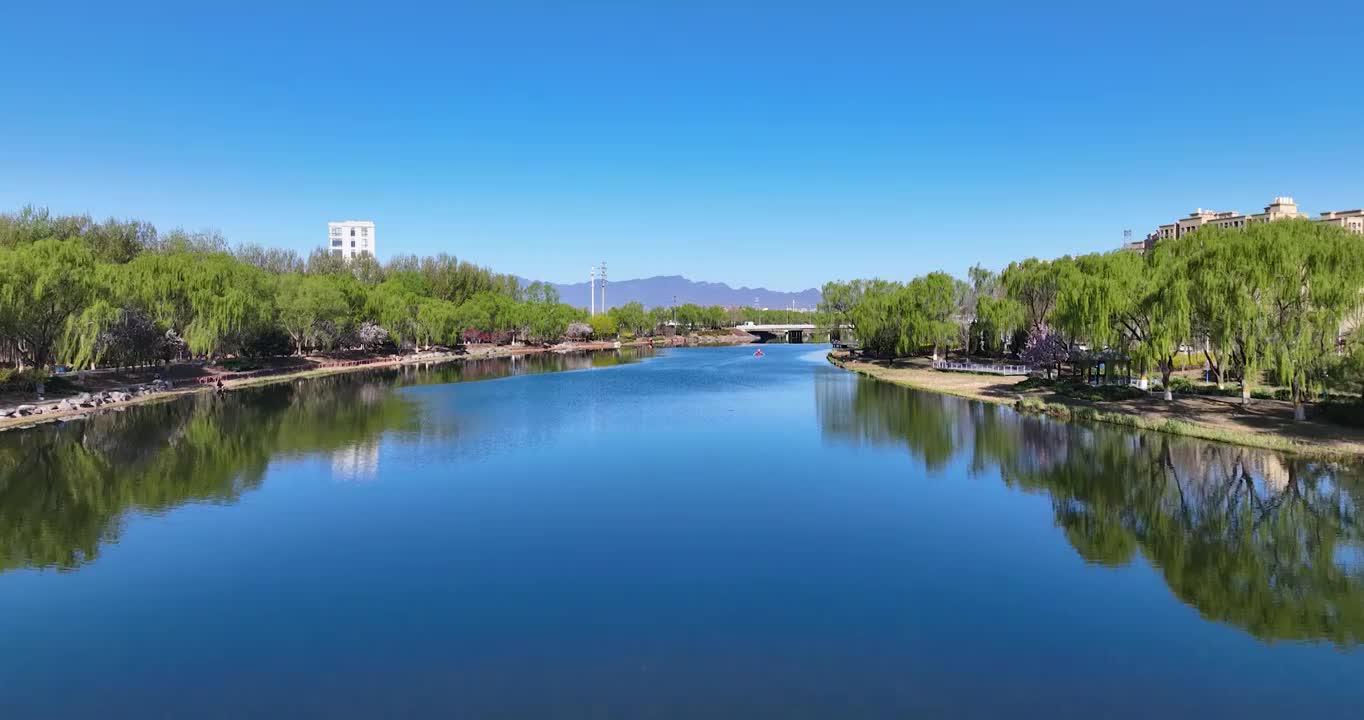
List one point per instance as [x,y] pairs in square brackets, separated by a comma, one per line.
[778,144]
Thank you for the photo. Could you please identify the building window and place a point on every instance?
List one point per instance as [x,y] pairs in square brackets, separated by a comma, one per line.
[336,243]
[352,232]
[336,232]
[352,243]
[364,231]
[337,252]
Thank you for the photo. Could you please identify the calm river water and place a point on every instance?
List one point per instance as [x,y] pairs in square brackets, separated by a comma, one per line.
[693,534]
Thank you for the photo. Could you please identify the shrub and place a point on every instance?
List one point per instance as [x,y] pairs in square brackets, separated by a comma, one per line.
[1035,382]
[1030,405]
[23,380]
[1182,385]
[239,365]
[1350,414]
[1081,391]
[268,342]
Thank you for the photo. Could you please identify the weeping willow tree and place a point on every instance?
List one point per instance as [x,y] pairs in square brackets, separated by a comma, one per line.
[313,310]
[1159,317]
[437,322]
[1319,271]
[1275,295]
[45,287]
[211,300]
[892,318]
[928,304]
[1124,300]
[394,303]
[875,317]
[1229,310]
[83,340]
[1036,286]
[994,321]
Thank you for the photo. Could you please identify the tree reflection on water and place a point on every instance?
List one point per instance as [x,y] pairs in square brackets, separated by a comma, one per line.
[65,489]
[1269,543]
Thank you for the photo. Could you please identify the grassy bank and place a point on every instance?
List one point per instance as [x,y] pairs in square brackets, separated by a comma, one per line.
[1173,427]
[1264,424]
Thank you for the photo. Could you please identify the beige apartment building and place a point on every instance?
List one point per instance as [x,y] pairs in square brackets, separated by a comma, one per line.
[1352,220]
[1281,208]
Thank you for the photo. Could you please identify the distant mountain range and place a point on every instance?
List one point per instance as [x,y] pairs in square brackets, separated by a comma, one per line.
[661,290]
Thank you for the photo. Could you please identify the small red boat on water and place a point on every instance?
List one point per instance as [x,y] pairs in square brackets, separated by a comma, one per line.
[759,353]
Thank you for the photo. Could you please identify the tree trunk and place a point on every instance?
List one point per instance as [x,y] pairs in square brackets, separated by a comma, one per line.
[1299,411]
[1215,367]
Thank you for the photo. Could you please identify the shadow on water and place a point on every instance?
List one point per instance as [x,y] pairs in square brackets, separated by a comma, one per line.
[1265,542]
[65,489]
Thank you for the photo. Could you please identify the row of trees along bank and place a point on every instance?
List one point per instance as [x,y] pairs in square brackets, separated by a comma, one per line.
[79,292]
[1281,298]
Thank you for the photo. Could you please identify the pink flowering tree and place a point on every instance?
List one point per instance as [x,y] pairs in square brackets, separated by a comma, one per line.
[1045,349]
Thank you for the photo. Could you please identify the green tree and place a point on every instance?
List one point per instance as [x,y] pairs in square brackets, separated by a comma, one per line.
[690,316]
[1034,285]
[877,317]
[632,318]
[394,303]
[313,310]
[1319,271]
[839,298]
[212,300]
[1138,303]
[715,316]
[995,320]
[437,322]
[44,286]
[603,326]
[272,260]
[541,293]
[928,304]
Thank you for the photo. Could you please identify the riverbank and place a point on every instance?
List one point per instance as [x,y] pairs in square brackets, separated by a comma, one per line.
[77,406]
[1265,424]
[111,391]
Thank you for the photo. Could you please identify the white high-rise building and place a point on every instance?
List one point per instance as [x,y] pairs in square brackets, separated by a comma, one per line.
[351,238]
